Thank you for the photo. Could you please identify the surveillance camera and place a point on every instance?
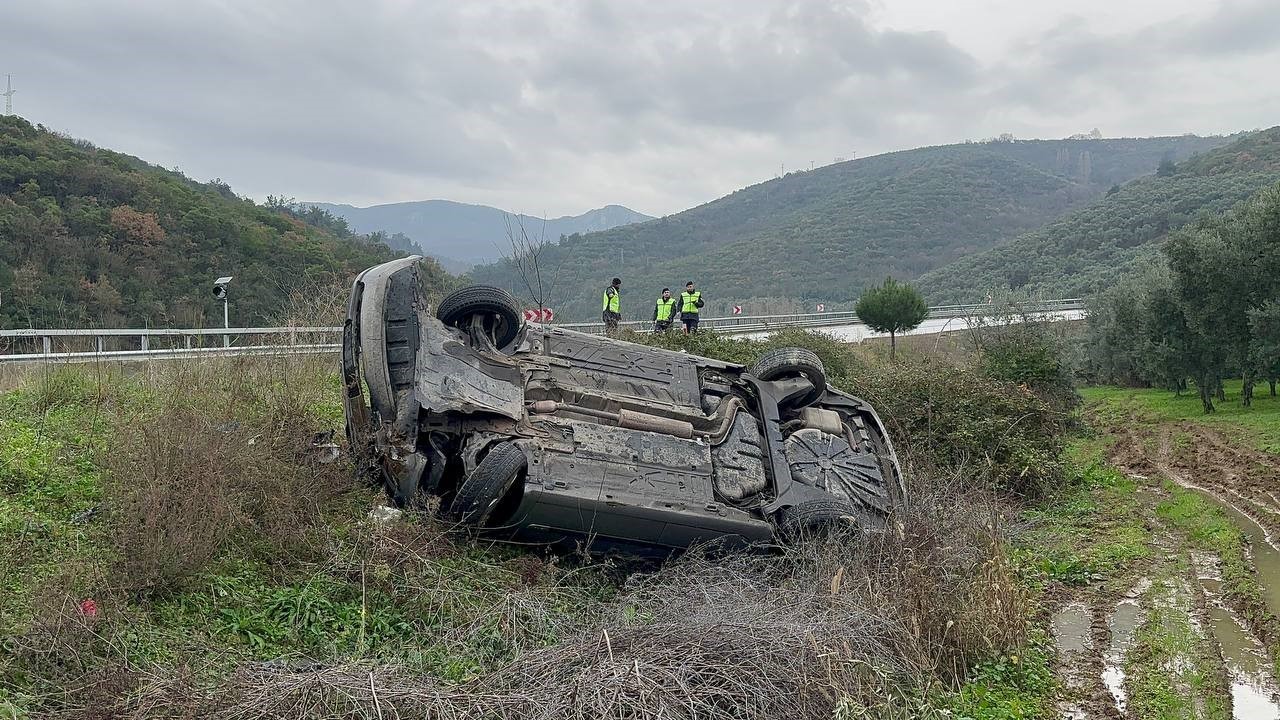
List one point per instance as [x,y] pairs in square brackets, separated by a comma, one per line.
[220,287]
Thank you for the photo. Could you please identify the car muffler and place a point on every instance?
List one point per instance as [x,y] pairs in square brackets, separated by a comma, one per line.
[629,419]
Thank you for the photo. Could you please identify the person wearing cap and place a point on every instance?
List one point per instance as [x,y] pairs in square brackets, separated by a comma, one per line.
[664,312]
[611,311]
[690,304]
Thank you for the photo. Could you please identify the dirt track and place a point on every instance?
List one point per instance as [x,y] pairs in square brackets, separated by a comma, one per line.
[1195,456]
[1093,629]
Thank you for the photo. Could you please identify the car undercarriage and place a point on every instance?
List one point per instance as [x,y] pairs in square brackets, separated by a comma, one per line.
[539,433]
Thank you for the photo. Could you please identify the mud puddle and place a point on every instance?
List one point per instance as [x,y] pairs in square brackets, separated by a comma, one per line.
[1265,556]
[1253,688]
[1122,624]
[1071,628]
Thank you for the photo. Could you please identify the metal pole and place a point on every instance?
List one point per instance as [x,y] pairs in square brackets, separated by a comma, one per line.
[226,323]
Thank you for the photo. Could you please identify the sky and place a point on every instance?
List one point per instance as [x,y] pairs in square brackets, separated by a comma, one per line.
[552,108]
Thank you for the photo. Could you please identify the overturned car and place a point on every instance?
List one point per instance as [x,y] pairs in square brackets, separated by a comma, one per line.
[540,433]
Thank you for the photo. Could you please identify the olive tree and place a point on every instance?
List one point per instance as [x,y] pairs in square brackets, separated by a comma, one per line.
[1264,321]
[893,308]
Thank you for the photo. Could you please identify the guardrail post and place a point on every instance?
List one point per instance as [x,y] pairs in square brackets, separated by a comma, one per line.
[98,343]
[142,343]
[186,341]
[46,344]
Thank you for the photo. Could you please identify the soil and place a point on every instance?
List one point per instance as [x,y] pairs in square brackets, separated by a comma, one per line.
[1194,456]
[1198,457]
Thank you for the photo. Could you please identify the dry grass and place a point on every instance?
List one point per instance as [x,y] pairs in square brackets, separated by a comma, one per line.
[219,457]
[791,634]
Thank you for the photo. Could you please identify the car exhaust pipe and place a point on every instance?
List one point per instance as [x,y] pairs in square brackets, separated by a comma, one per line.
[652,423]
[629,419]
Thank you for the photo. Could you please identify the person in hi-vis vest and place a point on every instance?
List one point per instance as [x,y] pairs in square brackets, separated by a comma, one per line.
[664,312]
[611,310]
[690,304]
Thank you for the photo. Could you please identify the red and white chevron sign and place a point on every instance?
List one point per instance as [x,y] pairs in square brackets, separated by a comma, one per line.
[821,307]
[545,315]
[737,309]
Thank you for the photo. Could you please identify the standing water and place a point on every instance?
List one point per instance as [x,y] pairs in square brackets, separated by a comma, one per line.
[1122,624]
[1252,686]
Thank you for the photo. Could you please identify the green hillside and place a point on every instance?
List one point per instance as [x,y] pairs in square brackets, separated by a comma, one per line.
[90,237]
[1095,246]
[824,234]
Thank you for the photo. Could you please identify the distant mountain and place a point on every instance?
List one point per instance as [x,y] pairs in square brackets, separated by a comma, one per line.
[466,234]
[91,237]
[823,235]
[1096,245]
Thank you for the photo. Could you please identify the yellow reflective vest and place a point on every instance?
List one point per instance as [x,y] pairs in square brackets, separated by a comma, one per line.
[665,309]
[689,302]
[610,301]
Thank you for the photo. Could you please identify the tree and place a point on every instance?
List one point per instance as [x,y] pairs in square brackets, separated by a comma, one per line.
[1264,321]
[893,308]
[1166,167]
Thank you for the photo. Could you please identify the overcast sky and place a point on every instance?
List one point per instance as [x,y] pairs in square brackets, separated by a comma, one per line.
[556,107]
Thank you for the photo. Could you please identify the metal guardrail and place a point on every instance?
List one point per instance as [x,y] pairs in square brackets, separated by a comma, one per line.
[88,344]
[740,324]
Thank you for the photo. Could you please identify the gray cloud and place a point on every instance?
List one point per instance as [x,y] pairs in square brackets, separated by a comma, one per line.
[554,107]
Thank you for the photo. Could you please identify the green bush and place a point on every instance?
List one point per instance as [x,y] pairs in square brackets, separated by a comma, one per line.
[1031,355]
[996,432]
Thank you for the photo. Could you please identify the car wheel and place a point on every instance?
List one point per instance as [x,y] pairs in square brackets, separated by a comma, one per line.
[791,362]
[817,518]
[488,484]
[500,311]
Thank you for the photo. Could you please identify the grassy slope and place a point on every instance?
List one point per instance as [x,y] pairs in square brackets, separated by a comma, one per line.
[90,236]
[826,233]
[1094,246]
[403,598]
[247,602]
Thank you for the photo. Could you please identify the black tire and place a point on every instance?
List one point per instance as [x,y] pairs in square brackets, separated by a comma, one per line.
[488,484]
[789,362]
[817,518]
[501,310]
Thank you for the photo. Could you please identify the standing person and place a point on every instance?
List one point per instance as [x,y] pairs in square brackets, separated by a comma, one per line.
[611,311]
[690,303]
[664,312]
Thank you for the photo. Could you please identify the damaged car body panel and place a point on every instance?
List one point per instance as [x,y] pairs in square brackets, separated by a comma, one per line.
[536,432]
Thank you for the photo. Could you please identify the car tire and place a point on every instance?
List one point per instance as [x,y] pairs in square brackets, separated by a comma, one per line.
[460,306]
[817,518]
[488,484]
[789,362]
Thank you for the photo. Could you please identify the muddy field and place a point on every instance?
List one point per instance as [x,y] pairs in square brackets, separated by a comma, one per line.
[1188,629]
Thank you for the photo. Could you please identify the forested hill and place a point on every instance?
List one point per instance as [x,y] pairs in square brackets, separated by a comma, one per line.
[90,237]
[824,234]
[1097,245]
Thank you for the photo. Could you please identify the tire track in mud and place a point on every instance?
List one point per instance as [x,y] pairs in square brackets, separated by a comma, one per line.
[1082,635]
[1197,457]
[1247,482]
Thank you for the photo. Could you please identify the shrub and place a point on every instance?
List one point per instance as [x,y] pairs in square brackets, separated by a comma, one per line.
[993,432]
[217,457]
[1033,355]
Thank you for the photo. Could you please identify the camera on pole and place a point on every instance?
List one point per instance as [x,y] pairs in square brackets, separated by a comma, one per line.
[220,293]
[220,287]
